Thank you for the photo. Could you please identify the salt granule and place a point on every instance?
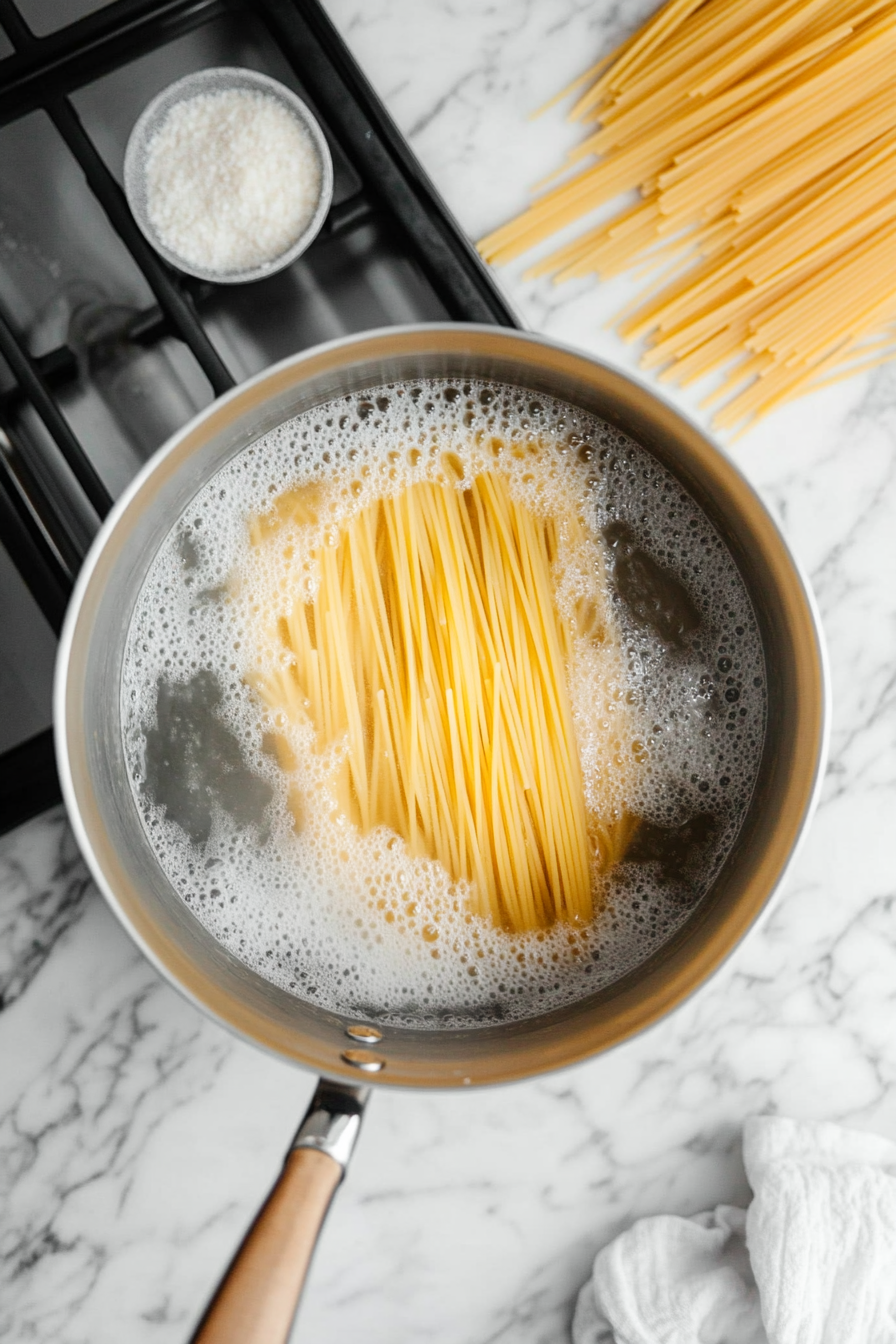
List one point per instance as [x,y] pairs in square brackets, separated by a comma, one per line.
[232,179]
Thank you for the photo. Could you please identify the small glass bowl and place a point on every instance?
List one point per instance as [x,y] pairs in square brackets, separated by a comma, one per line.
[215,80]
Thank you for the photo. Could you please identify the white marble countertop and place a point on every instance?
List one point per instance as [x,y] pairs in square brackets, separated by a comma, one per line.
[137,1138]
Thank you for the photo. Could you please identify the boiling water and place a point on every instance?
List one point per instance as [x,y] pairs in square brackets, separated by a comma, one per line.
[336,917]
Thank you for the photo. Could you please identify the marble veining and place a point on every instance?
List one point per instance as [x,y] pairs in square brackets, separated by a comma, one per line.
[43,880]
[137,1138]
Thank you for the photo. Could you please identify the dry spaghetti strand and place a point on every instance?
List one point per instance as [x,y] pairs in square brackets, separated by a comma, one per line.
[761,136]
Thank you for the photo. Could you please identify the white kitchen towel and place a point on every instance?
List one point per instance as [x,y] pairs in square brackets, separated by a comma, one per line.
[812,1261]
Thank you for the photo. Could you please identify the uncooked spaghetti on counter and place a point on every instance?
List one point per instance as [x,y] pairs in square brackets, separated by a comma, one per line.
[762,138]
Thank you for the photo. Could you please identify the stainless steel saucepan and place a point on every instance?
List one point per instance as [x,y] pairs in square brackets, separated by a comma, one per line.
[257,1300]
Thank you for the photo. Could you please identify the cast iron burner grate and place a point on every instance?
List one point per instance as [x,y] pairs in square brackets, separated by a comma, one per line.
[389,251]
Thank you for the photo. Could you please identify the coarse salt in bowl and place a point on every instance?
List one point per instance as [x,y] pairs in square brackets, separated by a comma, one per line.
[228,175]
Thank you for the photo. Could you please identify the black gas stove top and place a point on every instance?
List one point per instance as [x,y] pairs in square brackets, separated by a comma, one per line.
[104,350]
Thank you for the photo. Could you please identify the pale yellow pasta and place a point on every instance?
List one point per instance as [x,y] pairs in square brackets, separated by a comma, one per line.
[761,135]
[432,646]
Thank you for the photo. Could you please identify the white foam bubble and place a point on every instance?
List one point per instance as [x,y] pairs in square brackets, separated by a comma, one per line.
[355,923]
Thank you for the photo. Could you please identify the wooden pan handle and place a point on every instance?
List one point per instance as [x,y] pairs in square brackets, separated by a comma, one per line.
[257,1299]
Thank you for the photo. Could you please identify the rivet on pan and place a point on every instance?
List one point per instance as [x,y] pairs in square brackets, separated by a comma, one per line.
[369,1035]
[364,1059]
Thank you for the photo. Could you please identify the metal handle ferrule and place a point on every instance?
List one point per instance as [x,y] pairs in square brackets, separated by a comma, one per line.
[332,1121]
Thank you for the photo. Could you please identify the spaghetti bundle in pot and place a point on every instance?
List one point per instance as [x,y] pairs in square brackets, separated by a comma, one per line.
[432,645]
[762,137]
